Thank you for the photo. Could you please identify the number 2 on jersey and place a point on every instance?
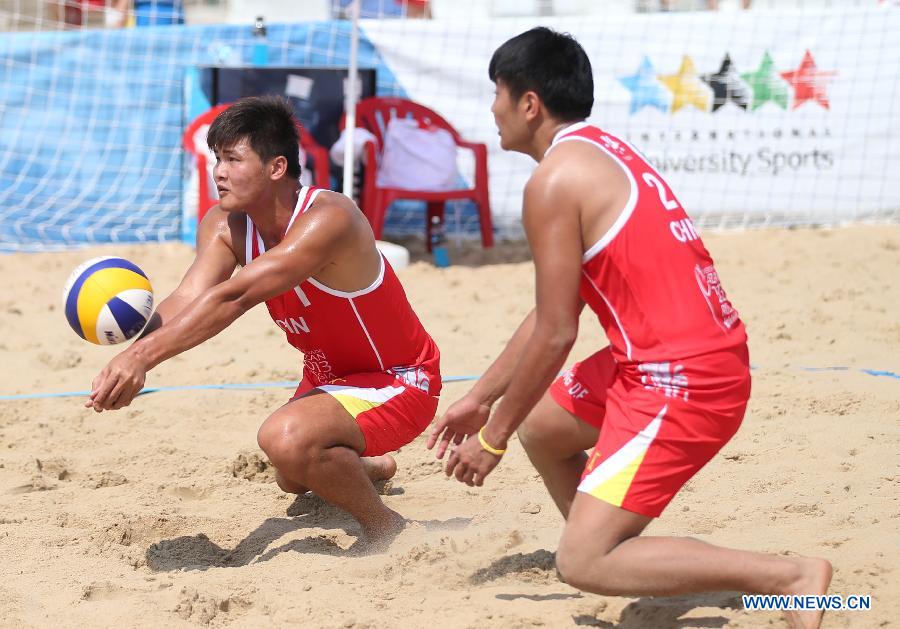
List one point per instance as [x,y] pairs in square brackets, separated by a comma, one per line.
[654,182]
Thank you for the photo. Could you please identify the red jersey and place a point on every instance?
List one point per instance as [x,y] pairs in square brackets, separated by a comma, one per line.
[372,330]
[652,283]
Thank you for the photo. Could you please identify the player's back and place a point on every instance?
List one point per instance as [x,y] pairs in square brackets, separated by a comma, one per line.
[649,278]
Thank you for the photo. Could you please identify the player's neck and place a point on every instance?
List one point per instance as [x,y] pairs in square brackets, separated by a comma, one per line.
[544,136]
[273,214]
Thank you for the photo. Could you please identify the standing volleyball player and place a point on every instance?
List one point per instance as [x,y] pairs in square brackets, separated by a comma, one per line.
[371,371]
[657,404]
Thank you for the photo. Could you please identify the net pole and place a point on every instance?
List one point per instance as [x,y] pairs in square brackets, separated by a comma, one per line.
[351,98]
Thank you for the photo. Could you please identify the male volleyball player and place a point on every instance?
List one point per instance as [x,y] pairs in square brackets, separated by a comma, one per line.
[657,404]
[371,371]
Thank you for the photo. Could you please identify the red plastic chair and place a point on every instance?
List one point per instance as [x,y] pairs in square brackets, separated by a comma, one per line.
[374,114]
[196,145]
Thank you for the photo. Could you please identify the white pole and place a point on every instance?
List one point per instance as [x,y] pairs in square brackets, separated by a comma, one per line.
[350,102]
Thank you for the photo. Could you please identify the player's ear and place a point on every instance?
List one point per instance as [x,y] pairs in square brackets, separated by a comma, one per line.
[530,105]
[278,167]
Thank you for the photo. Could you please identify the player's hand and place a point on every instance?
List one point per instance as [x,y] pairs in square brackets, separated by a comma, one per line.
[118,384]
[470,463]
[464,417]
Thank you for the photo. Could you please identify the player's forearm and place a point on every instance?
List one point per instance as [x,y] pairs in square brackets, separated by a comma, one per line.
[540,362]
[205,317]
[167,310]
[493,384]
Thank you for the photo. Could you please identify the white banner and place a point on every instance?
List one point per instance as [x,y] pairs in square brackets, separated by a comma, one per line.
[758,117]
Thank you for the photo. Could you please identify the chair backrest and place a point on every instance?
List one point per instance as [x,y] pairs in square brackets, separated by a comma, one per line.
[376,112]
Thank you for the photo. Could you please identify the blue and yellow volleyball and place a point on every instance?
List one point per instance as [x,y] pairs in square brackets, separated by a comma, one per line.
[107,300]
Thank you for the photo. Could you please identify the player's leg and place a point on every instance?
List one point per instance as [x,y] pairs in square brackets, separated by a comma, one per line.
[555,441]
[553,435]
[314,442]
[651,446]
[601,552]
[377,468]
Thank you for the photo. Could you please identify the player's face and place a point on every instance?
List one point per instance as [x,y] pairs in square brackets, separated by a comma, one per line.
[240,177]
[511,125]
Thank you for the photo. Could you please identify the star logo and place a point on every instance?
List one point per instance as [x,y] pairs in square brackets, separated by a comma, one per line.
[766,84]
[727,85]
[645,90]
[686,87]
[808,82]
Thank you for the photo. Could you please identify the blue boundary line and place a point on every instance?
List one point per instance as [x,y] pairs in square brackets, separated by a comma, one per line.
[291,384]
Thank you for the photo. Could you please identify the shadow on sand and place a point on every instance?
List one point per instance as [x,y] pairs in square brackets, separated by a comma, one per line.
[666,612]
[539,566]
[198,552]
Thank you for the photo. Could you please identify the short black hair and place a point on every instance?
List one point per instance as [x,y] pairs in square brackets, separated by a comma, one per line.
[268,124]
[551,64]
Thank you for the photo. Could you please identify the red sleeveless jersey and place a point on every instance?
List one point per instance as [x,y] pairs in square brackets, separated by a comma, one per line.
[651,281]
[340,333]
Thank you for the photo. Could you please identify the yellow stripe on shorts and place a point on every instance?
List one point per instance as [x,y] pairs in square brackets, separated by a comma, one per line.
[357,400]
[96,291]
[354,405]
[611,480]
[615,489]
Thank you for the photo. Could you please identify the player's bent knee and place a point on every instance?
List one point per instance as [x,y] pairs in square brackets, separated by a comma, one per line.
[542,435]
[567,568]
[584,568]
[582,572]
[285,443]
[534,430]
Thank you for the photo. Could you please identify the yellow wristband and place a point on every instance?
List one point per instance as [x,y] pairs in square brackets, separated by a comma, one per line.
[488,447]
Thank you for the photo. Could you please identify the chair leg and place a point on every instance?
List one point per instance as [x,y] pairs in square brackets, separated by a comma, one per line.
[484,220]
[379,213]
[433,208]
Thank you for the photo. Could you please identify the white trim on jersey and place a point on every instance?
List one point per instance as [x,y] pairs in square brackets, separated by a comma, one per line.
[356,293]
[613,312]
[303,192]
[626,212]
[248,254]
[368,336]
[297,209]
[572,128]
[260,245]
[302,296]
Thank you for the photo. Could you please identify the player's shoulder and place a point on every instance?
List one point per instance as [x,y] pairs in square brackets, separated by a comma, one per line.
[582,166]
[217,223]
[567,166]
[329,199]
[330,216]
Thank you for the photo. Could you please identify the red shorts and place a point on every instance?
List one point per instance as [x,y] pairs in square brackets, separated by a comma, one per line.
[652,440]
[388,411]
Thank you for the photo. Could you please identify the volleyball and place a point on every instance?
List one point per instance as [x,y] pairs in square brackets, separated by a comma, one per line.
[107,300]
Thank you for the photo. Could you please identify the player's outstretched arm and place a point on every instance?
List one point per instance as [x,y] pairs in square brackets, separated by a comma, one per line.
[467,415]
[213,263]
[551,220]
[311,243]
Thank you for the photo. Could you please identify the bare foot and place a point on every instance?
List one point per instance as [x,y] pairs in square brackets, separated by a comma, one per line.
[289,486]
[815,576]
[379,467]
[379,534]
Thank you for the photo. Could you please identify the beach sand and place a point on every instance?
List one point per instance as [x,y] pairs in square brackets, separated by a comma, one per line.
[164,514]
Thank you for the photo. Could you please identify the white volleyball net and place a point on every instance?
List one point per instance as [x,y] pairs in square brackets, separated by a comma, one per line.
[781,114]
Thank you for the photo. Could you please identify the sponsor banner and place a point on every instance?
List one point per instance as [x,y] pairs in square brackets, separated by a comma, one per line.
[758,117]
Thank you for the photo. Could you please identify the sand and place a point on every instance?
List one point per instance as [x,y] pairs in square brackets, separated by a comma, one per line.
[164,514]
